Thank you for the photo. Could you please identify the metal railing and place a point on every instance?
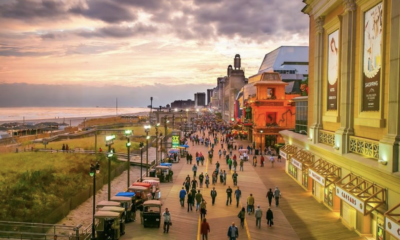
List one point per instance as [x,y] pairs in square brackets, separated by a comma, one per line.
[24,230]
[365,147]
[326,137]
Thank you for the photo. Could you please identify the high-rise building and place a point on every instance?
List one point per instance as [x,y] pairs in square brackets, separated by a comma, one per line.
[348,158]
[209,95]
[200,99]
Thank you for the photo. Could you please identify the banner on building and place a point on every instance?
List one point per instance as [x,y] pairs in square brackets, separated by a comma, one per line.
[333,70]
[372,62]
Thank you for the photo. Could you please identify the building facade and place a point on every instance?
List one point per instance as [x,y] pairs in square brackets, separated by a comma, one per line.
[182,104]
[199,99]
[349,159]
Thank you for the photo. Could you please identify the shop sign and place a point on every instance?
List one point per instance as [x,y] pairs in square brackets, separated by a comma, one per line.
[393,228]
[350,199]
[316,177]
[283,154]
[175,141]
[296,163]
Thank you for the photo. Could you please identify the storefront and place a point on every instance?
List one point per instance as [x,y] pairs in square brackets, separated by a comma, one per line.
[392,220]
[362,204]
[300,162]
[324,175]
[286,152]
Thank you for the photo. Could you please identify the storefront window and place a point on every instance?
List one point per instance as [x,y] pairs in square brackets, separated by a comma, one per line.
[292,170]
[328,196]
[304,179]
[301,116]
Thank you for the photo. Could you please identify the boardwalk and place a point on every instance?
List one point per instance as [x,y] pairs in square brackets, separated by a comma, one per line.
[298,217]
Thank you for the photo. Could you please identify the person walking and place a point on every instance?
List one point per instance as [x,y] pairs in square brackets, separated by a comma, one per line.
[277,195]
[272,159]
[203,209]
[242,215]
[167,220]
[230,164]
[262,160]
[255,161]
[234,165]
[241,165]
[258,215]
[238,194]
[270,217]
[213,195]
[190,201]
[182,195]
[233,232]
[201,179]
[194,183]
[187,185]
[250,204]
[194,169]
[279,158]
[198,198]
[229,195]
[207,181]
[224,177]
[270,195]
[234,178]
[204,229]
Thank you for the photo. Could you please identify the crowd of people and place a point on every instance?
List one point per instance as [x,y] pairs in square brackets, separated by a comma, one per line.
[213,135]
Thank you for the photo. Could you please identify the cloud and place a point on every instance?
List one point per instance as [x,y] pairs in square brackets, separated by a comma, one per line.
[114,31]
[107,11]
[33,10]
[43,95]
[8,51]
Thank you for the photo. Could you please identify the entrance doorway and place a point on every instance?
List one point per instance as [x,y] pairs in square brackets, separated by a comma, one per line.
[270,140]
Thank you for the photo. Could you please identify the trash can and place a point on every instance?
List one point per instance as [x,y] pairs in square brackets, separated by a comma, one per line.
[152,173]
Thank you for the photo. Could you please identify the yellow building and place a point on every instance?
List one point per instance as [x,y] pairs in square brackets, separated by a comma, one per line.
[349,160]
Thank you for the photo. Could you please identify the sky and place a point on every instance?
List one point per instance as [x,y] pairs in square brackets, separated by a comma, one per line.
[87,52]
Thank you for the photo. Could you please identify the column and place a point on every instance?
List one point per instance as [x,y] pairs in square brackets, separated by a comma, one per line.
[389,149]
[347,70]
[318,69]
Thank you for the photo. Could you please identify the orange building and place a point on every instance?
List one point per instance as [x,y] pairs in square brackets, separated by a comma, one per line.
[268,109]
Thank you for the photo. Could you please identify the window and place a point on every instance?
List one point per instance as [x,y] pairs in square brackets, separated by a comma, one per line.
[301,117]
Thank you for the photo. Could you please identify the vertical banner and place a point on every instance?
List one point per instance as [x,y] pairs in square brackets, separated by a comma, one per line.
[333,69]
[175,140]
[372,62]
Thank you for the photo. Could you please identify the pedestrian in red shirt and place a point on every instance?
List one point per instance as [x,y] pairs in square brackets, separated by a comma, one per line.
[262,161]
[205,229]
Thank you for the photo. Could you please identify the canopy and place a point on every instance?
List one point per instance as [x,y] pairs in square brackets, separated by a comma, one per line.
[162,167]
[137,188]
[121,199]
[152,202]
[141,184]
[108,203]
[166,164]
[113,209]
[174,151]
[185,146]
[106,214]
[125,194]
[151,178]
[303,160]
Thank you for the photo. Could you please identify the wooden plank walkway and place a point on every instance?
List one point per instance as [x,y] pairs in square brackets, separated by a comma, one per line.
[298,217]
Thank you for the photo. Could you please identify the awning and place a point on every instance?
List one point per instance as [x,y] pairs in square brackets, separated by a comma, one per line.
[393,221]
[360,194]
[286,150]
[302,160]
[324,172]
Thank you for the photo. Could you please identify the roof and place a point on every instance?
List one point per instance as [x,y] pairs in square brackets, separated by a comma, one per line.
[286,54]
[106,214]
[121,199]
[152,202]
[108,203]
[113,209]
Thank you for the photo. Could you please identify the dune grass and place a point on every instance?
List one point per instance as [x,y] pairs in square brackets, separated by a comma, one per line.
[33,184]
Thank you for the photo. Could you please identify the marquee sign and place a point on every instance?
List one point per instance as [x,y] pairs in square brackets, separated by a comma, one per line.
[318,178]
[283,154]
[350,199]
[297,163]
[393,228]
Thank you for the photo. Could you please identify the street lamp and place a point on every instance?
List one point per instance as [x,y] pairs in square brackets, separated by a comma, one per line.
[128,134]
[141,161]
[157,125]
[109,142]
[165,134]
[147,130]
[93,170]
[261,131]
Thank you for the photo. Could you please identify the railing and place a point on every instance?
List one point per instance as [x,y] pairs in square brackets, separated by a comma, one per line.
[365,147]
[326,137]
[23,230]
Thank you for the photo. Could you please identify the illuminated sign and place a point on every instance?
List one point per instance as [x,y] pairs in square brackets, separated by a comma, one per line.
[283,154]
[393,228]
[350,199]
[175,141]
[318,178]
[109,138]
[296,163]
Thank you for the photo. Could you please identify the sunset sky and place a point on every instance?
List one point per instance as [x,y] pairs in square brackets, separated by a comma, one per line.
[178,46]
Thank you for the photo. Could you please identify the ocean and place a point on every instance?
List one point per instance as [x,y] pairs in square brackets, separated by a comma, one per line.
[60,114]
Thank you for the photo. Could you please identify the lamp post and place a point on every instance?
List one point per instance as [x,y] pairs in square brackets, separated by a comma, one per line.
[93,170]
[157,125]
[147,130]
[109,142]
[261,131]
[173,121]
[128,133]
[141,161]
[165,134]
[151,109]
